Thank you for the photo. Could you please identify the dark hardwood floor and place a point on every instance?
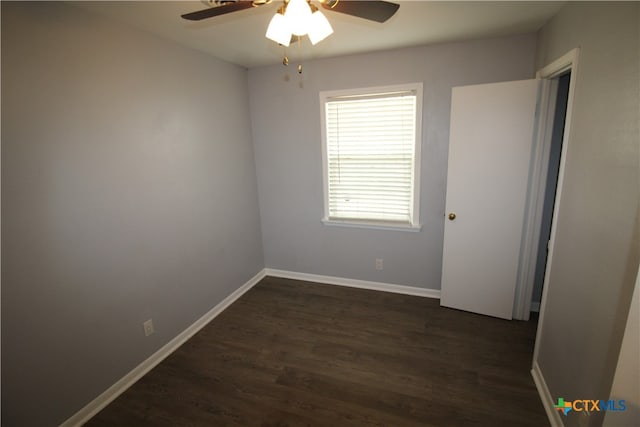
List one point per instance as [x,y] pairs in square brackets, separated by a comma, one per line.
[291,353]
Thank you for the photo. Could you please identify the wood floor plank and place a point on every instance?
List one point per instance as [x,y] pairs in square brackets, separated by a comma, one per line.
[295,353]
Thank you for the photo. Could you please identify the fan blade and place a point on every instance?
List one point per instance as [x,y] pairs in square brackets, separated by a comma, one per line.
[373,10]
[218,10]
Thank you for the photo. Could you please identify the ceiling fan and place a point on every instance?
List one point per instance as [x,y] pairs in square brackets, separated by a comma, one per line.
[372,10]
[302,16]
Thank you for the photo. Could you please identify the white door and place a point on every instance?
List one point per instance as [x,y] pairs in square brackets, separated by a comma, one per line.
[489,156]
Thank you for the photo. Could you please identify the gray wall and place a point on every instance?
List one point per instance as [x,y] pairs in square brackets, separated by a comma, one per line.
[128,192]
[596,251]
[625,384]
[285,116]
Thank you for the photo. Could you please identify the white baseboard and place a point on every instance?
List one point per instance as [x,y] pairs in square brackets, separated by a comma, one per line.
[353,283]
[545,395]
[110,394]
[535,306]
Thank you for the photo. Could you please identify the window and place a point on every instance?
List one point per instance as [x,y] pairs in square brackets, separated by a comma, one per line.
[371,156]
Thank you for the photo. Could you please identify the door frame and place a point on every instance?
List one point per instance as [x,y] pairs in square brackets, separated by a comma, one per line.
[537,185]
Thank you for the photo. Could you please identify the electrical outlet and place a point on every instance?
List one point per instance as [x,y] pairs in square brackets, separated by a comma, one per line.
[148,327]
[379,264]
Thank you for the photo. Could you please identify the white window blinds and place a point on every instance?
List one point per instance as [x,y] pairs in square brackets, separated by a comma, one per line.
[370,157]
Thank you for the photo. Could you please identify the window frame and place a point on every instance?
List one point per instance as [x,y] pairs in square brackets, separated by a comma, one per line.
[326,96]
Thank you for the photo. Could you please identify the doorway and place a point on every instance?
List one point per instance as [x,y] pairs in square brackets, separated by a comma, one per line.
[476,287]
[558,80]
[559,120]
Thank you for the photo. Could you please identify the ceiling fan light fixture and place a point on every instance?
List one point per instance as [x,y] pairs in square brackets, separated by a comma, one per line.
[319,27]
[278,30]
[298,15]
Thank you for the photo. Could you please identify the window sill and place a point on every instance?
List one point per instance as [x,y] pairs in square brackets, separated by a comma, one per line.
[373,225]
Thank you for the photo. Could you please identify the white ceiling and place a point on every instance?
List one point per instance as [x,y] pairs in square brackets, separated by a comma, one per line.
[239,37]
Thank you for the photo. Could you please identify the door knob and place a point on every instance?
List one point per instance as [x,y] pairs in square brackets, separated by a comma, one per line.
[452,216]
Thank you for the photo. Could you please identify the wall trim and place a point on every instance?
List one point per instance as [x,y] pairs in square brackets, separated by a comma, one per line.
[110,394]
[119,387]
[354,283]
[545,396]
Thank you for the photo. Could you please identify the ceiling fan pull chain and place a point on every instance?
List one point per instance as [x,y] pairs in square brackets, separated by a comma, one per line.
[300,54]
